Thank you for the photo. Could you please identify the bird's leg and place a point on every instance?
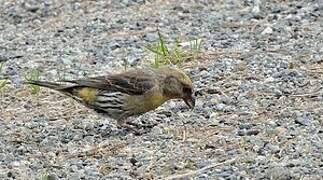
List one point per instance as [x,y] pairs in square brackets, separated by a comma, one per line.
[138,125]
[122,123]
[130,123]
[127,124]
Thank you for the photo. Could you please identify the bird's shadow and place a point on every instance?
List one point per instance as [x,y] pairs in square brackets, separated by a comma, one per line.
[134,128]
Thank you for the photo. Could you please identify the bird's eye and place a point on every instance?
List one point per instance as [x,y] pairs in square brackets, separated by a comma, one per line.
[187,90]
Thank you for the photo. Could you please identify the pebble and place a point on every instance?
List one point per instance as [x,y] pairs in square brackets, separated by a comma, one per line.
[273,148]
[304,120]
[267,30]
[151,37]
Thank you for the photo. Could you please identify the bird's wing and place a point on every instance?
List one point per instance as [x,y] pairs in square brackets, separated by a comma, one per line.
[132,82]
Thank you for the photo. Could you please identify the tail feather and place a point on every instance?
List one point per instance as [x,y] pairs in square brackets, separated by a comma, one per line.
[77,92]
[51,85]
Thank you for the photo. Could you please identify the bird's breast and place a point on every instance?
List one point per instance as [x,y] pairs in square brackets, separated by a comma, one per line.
[154,100]
[147,102]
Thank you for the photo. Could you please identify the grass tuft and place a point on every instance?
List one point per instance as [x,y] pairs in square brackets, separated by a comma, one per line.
[44,176]
[176,55]
[3,82]
[33,75]
[60,75]
[125,64]
[195,47]
[1,67]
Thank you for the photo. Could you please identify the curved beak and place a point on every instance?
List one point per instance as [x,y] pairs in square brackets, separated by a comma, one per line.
[190,101]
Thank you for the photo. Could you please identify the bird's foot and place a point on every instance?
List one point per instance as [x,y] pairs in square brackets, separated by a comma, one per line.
[142,125]
[130,127]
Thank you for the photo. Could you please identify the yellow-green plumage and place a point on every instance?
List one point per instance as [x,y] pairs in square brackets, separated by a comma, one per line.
[153,100]
[145,103]
[130,93]
[87,94]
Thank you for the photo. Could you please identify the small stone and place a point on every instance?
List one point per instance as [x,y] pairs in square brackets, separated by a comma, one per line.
[269,79]
[67,61]
[273,148]
[52,177]
[3,58]
[204,73]
[88,126]
[277,172]
[74,176]
[245,126]
[213,119]
[257,142]
[31,8]
[267,30]
[78,137]
[114,46]
[241,132]
[133,161]
[178,8]
[225,99]
[91,172]
[252,132]
[10,175]
[303,120]
[73,168]
[244,132]
[261,159]
[151,37]
[255,11]
[276,8]
[214,101]
[220,106]
[280,131]
[157,130]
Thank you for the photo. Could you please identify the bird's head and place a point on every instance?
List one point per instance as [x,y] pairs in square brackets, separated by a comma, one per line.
[177,85]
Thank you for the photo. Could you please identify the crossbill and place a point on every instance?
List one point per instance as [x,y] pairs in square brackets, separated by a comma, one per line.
[126,94]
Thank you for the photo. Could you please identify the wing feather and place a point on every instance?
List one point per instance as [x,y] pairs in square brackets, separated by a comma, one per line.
[131,82]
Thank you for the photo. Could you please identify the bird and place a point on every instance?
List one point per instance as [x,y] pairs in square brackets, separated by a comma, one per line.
[129,93]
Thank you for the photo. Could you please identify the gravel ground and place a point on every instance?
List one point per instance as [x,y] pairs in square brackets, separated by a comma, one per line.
[259,106]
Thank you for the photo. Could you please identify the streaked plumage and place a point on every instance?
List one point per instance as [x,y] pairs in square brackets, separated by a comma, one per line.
[130,93]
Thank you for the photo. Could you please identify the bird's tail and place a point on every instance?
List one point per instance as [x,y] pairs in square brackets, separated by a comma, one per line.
[52,85]
[79,93]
